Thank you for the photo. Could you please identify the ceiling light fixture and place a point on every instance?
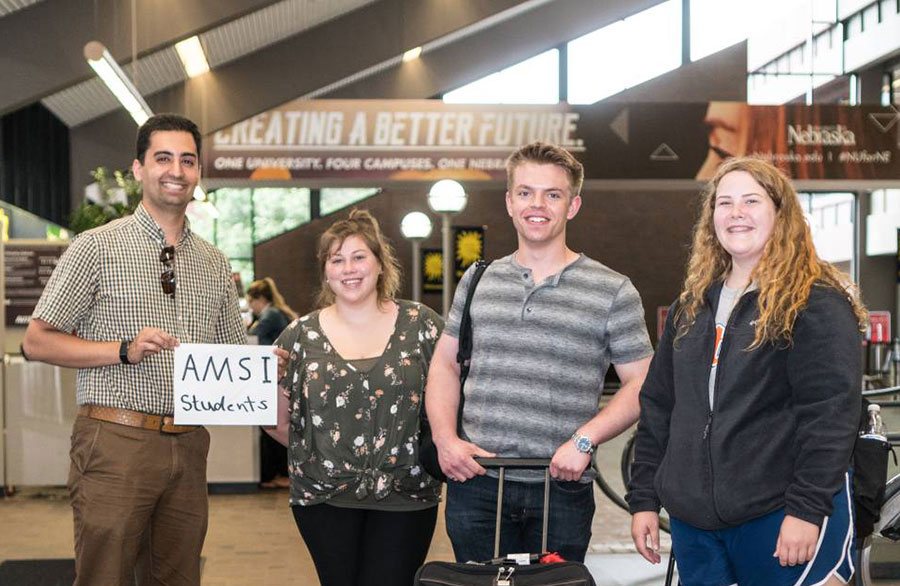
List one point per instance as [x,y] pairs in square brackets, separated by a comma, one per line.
[190,51]
[412,54]
[118,83]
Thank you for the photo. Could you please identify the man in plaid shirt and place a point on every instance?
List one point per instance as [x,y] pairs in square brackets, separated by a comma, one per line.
[122,297]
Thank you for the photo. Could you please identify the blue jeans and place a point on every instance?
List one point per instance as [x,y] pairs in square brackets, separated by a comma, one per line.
[472,512]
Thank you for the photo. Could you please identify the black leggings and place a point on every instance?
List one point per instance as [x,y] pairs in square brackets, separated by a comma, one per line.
[365,547]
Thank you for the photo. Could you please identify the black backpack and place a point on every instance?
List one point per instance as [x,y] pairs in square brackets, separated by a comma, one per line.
[870,462]
[428,457]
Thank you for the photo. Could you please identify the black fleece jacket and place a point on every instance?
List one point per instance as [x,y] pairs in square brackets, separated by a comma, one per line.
[783,422]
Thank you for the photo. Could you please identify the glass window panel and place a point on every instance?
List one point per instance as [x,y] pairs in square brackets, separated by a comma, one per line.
[233,227]
[654,45]
[244,266]
[332,199]
[709,33]
[892,200]
[590,77]
[203,221]
[533,81]
[845,213]
[876,202]
[645,45]
[277,210]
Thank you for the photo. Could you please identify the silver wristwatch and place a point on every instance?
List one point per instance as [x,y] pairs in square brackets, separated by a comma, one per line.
[582,443]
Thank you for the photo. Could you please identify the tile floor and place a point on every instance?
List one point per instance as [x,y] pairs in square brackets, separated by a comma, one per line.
[252,538]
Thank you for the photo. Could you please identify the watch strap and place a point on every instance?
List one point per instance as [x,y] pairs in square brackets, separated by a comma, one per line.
[123,352]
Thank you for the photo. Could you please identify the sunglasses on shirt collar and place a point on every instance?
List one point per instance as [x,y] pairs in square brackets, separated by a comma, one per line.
[167,278]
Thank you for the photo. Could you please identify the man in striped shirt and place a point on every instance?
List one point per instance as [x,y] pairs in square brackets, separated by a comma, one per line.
[122,297]
[547,323]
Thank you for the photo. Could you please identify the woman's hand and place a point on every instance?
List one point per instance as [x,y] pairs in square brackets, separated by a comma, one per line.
[644,525]
[283,357]
[796,541]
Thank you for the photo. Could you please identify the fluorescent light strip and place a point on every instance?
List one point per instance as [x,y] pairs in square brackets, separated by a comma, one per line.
[412,54]
[118,83]
[190,51]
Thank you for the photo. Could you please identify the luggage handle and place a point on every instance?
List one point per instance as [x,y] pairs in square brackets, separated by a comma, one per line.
[519,464]
[515,463]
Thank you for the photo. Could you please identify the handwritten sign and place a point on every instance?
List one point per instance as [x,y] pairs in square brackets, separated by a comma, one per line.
[219,384]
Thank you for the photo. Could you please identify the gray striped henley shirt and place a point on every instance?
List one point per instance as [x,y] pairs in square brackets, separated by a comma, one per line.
[541,352]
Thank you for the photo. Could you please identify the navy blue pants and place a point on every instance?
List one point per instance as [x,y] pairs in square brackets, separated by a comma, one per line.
[743,554]
[472,510]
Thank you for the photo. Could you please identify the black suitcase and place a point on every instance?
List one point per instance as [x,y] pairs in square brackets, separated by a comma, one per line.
[502,571]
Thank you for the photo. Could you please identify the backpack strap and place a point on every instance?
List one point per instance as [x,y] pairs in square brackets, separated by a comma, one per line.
[464,354]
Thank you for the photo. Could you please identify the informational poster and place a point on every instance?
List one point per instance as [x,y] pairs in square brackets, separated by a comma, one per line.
[432,270]
[468,242]
[222,384]
[426,140]
[28,268]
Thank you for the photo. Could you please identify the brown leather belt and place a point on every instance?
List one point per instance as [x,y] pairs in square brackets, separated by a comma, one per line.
[163,423]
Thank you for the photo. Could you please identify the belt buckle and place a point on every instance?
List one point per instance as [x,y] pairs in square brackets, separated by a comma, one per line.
[153,422]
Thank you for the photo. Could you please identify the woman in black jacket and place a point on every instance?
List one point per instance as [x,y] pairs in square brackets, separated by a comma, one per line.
[750,409]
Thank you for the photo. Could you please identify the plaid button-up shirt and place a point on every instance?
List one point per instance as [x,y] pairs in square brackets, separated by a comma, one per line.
[106,288]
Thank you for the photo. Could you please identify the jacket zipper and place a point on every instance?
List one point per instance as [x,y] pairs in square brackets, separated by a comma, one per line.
[707,430]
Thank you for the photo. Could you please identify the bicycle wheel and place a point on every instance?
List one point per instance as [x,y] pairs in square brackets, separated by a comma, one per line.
[627,461]
[879,558]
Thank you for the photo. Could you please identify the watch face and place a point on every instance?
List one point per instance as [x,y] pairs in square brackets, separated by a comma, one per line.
[583,444]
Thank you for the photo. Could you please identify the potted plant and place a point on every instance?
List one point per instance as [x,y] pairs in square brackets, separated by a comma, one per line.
[110,197]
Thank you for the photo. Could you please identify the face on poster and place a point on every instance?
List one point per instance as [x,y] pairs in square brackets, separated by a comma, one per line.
[221,384]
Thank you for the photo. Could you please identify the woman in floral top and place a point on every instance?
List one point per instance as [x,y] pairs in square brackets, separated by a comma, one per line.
[349,414]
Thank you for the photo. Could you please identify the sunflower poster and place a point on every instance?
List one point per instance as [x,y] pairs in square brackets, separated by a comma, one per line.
[432,270]
[468,244]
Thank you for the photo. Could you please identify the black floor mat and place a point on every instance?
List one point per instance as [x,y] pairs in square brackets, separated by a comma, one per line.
[37,572]
[42,572]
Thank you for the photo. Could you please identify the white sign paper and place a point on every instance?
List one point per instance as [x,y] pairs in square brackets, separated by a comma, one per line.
[221,384]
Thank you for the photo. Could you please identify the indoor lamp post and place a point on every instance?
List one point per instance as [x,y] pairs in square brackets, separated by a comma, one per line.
[416,227]
[447,197]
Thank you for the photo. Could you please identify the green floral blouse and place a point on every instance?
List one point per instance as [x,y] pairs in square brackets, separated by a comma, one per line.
[353,430]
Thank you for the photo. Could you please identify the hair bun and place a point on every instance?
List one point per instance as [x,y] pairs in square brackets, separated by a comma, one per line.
[363,216]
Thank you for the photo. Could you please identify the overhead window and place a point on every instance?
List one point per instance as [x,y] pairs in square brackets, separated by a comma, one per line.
[625,53]
[533,81]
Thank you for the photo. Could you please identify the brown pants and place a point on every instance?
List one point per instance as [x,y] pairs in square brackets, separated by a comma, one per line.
[130,486]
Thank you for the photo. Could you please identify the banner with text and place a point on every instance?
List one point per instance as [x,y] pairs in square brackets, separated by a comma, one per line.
[372,140]
[221,384]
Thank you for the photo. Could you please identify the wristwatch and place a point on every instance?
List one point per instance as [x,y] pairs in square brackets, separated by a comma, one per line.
[582,443]
[123,352]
